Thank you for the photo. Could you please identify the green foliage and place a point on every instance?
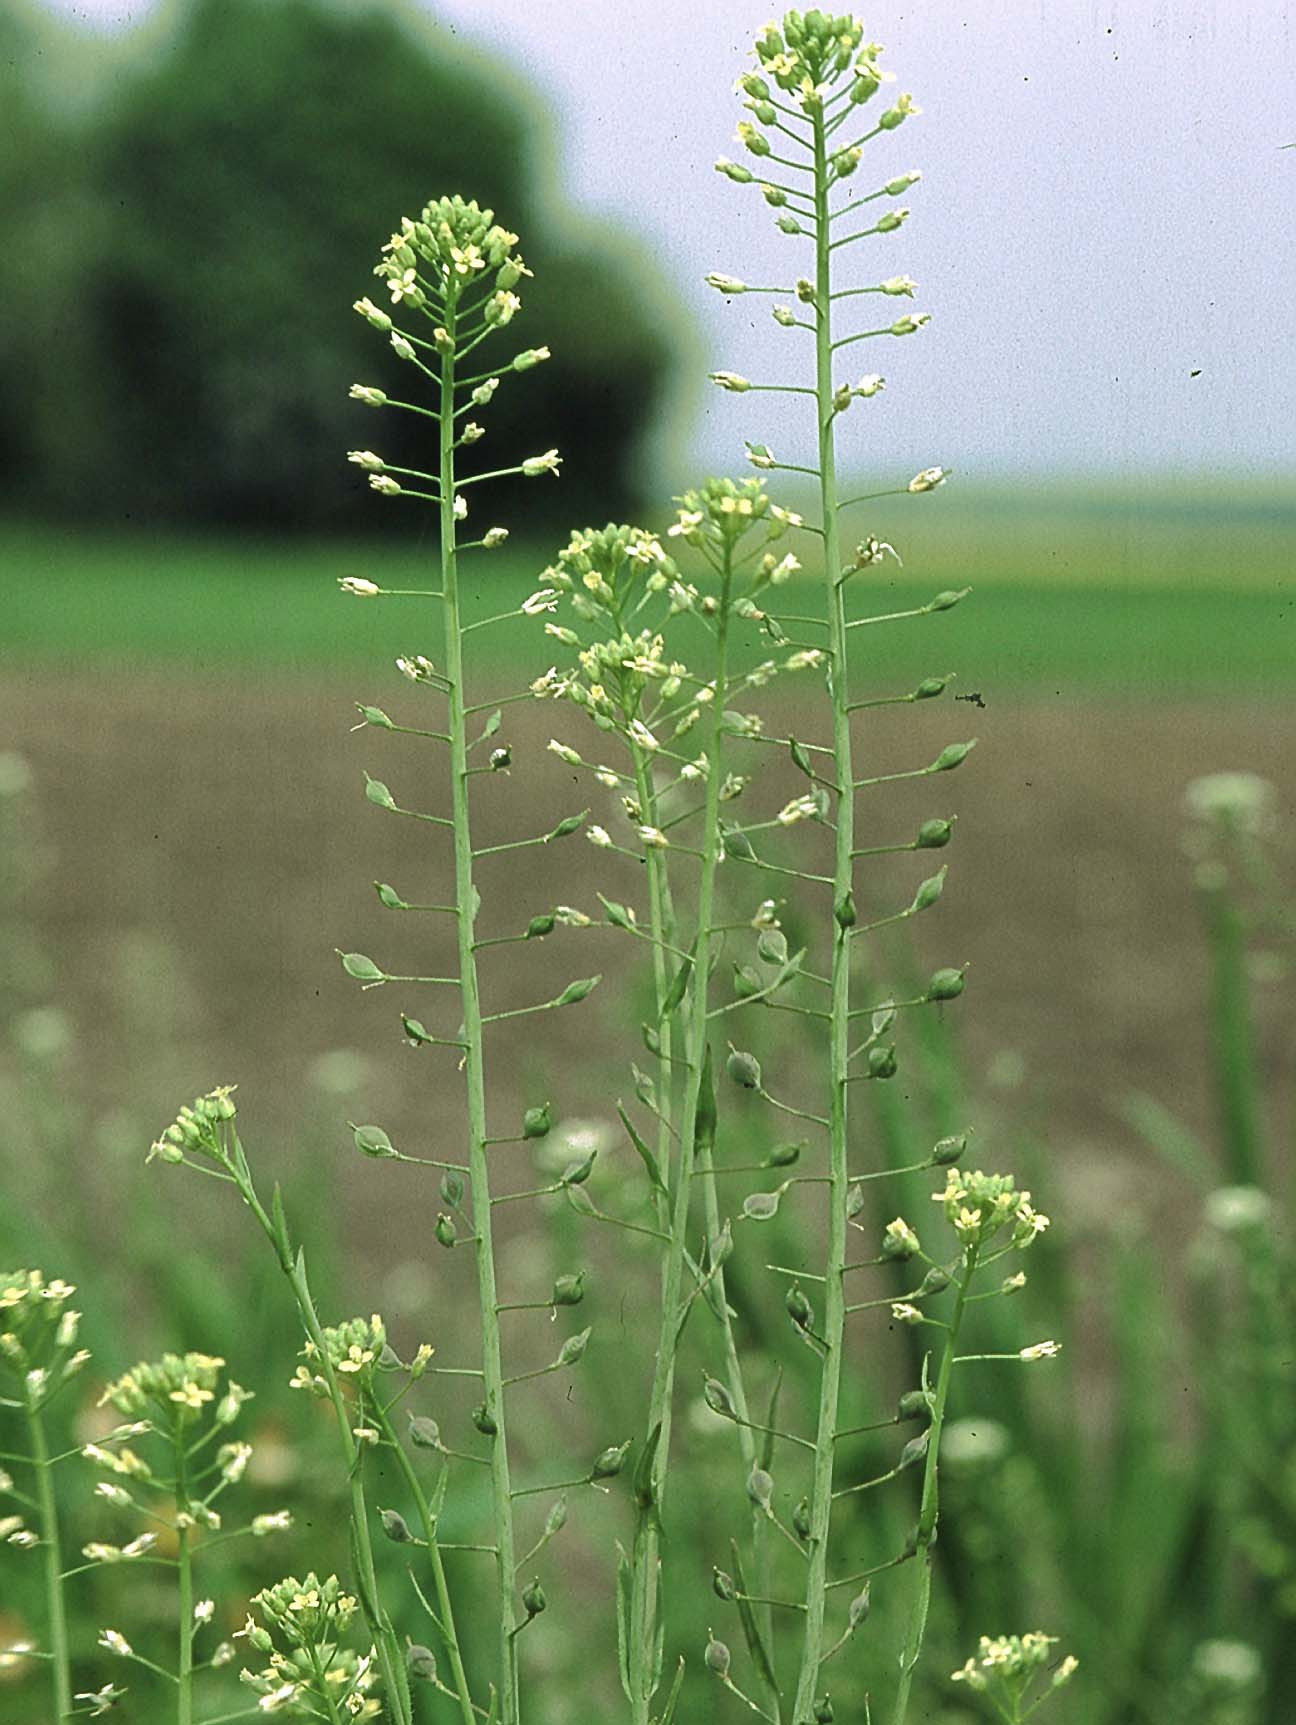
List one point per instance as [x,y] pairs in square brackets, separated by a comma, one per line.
[180,260]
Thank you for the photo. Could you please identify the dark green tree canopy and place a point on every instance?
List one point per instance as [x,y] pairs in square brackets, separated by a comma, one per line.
[183,288]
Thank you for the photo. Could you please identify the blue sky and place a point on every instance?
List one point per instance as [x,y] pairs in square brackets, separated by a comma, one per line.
[1105,212]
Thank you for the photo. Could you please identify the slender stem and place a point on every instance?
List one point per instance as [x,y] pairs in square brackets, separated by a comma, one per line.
[50,1546]
[390,1659]
[834,1320]
[478,1169]
[184,1668]
[930,1504]
[445,1607]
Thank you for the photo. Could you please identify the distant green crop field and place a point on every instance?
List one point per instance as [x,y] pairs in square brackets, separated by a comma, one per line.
[1169,590]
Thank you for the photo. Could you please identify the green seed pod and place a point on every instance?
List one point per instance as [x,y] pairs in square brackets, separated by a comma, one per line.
[424,1433]
[377,792]
[854,1201]
[444,1230]
[929,687]
[744,1069]
[934,1282]
[533,1599]
[717,1657]
[952,756]
[375,716]
[722,1585]
[790,225]
[945,985]
[452,1188]
[915,1405]
[737,844]
[420,1662]
[541,925]
[414,1030]
[373,1141]
[948,600]
[915,1449]
[389,896]
[573,1348]
[720,1247]
[801,1519]
[651,1039]
[395,1526]
[772,946]
[929,891]
[484,1420]
[362,968]
[568,1290]
[858,1609]
[761,1206]
[760,1488]
[783,1156]
[577,1173]
[844,910]
[704,1115]
[718,1399]
[389,1360]
[882,1062]
[799,1308]
[578,990]
[537,1122]
[566,827]
[934,835]
[609,1462]
[823,1711]
[947,1151]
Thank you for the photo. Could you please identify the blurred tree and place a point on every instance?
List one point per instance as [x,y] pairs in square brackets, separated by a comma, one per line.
[182,262]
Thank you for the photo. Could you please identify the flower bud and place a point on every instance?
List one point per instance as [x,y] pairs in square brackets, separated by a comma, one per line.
[732,381]
[373,314]
[897,115]
[733,171]
[726,284]
[368,394]
[531,358]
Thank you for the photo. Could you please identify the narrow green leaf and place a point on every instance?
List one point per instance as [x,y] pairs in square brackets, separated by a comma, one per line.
[751,1629]
[625,1594]
[645,1154]
[672,1700]
[771,1420]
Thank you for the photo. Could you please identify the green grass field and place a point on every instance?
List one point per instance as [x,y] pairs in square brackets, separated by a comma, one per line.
[1176,590]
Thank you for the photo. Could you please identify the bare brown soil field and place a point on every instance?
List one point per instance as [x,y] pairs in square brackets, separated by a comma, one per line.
[204,849]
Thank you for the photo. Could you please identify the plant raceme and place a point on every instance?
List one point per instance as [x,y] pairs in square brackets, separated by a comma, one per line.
[749,907]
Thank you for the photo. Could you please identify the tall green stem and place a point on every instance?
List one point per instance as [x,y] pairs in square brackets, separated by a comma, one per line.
[929,1508]
[53,1559]
[839,1031]
[184,1664]
[390,1661]
[445,1605]
[694,1153]
[478,1172]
